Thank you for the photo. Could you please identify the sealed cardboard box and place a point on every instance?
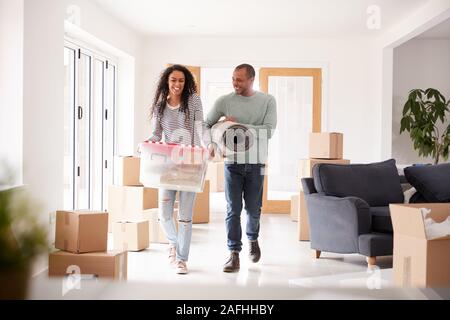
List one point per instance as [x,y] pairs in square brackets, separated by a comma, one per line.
[156,233]
[126,202]
[131,235]
[201,206]
[127,171]
[418,261]
[216,177]
[81,231]
[111,264]
[303,220]
[295,207]
[326,145]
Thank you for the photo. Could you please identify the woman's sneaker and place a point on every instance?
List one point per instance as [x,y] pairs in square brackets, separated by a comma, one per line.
[172,254]
[181,267]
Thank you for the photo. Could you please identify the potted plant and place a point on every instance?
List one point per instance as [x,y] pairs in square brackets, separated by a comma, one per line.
[421,116]
[22,239]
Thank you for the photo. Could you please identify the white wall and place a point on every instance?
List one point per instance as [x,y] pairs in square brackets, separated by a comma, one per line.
[108,35]
[418,64]
[43,99]
[11,86]
[349,62]
[426,17]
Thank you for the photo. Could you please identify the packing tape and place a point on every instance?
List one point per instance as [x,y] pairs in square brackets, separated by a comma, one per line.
[66,218]
[406,276]
[121,265]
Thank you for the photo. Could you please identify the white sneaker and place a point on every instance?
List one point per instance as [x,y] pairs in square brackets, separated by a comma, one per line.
[181,267]
[172,254]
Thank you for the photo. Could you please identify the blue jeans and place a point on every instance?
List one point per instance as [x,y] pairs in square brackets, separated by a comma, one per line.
[243,181]
[181,239]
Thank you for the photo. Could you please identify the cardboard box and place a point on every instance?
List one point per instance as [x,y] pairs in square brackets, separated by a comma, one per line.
[125,203]
[305,167]
[201,206]
[111,264]
[295,207]
[419,262]
[216,176]
[156,233]
[326,145]
[303,220]
[131,235]
[127,171]
[81,231]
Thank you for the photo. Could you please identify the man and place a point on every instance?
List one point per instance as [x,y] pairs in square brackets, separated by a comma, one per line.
[244,179]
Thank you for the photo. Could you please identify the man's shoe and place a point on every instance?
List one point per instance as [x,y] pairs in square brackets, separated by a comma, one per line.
[255,252]
[181,267]
[232,264]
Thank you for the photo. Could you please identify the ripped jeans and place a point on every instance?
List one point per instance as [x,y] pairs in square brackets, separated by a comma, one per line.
[181,239]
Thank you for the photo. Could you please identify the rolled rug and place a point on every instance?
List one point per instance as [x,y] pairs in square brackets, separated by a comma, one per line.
[232,137]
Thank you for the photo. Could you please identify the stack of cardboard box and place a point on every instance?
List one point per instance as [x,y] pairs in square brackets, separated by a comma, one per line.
[82,238]
[215,175]
[325,147]
[128,199]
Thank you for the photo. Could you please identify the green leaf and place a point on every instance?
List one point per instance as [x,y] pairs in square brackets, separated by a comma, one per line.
[407,107]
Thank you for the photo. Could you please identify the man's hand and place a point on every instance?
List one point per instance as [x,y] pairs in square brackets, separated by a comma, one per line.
[225,119]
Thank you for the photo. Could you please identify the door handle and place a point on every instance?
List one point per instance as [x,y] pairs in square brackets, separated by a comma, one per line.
[80,113]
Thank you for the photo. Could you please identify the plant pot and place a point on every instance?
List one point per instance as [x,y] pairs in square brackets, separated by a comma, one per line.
[14,283]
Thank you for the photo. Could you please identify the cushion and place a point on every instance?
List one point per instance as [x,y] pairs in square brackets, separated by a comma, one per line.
[376,183]
[381,219]
[432,182]
[417,198]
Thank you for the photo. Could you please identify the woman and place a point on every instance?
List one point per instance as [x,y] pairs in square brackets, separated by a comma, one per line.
[177,114]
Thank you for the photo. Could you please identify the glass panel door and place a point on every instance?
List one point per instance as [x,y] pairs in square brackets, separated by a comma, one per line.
[97,136]
[90,91]
[294,97]
[82,133]
[69,111]
[108,129]
[298,93]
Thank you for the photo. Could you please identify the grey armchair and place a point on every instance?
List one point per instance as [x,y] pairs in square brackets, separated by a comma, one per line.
[348,208]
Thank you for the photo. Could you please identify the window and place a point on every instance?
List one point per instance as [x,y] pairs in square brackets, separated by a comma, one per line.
[89,104]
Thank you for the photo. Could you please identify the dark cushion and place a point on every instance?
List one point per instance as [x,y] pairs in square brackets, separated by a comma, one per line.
[381,219]
[432,182]
[376,183]
[417,198]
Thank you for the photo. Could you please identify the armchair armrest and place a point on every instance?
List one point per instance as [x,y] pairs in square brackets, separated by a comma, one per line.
[336,223]
[308,185]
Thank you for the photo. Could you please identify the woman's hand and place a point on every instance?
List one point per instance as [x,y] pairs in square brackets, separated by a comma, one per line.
[138,150]
[212,150]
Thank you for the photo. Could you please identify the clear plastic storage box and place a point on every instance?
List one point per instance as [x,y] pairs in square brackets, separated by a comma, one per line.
[173,166]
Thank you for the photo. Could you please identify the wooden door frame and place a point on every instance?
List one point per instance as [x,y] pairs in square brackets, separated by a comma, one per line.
[283,206]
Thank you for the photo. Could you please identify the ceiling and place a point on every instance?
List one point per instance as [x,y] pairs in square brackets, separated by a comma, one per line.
[257,18]
[441,31]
